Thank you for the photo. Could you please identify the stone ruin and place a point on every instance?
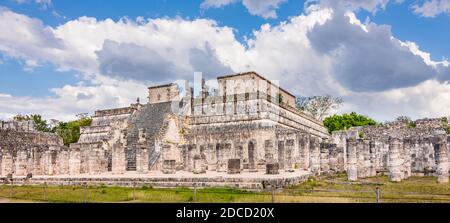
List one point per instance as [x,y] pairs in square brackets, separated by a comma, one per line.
[397,149]
[239,127]
[23,150]
[248,124]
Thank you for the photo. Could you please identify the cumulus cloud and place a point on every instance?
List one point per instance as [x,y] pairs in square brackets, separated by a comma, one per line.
[132,61]
[428,99]
[27,38]
[368,59]
[368,5]
[264,8]
[43,3]
[432,8]
[70,100]
[323,51]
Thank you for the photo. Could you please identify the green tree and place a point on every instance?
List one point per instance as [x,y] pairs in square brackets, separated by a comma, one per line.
[70,131]
[40,123]
[345,121]
[318,107]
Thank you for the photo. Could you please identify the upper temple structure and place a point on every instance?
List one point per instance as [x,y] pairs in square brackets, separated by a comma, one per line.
[246,124]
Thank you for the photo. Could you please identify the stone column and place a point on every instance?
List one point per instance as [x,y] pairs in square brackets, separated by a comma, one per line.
[46,163]
[324,157]
[37,162]
[360,158]
[367,162]
[428,153]
[304,151]
[352,170]
[441,153]
[142,160]
[119,164]
[289,154]
[314,155]
[63,162]
[407,147]
[21,163]
[198,165]
[74,162]
[395,168]
[373,159]
[1,157]
[93,161]
[334,167]
[269,151]
[7,163]
[341,159]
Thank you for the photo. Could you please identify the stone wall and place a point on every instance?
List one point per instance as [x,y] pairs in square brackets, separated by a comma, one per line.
[24,152]
[397,149]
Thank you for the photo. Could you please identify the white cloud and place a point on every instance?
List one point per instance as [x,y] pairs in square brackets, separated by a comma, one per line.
[320,52]
[428,99]
[352,5]
[43,3]
[432,8]
[264,8]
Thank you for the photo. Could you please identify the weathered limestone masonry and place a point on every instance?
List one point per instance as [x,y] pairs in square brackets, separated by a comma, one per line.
[398,149]
[25,151]
[247,125]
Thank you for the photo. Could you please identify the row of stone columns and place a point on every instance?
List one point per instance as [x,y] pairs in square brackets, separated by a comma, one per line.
[363,158]
[49,162]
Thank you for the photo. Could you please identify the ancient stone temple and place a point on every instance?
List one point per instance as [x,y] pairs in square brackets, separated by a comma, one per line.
[240,131]
[245,124]
[247,121]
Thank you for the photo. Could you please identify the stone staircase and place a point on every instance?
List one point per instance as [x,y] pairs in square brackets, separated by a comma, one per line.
[154,156]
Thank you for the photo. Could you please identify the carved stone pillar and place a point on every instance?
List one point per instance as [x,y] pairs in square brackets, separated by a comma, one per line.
[315,155]
[304,151]
[74,162]
[119,164]
[21,163]
[199,166]
[142,160]
[334,167]
[352,170]
[7,163]
[324,157]
[395,162]
[373,159]
[441,153]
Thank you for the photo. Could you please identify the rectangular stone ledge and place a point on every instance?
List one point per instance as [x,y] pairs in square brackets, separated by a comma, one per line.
[164,182]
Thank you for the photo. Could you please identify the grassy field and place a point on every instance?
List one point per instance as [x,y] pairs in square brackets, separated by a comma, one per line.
[325,189]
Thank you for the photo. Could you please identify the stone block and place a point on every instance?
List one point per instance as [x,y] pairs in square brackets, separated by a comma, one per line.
[234,166]
[169,167]
[272,168]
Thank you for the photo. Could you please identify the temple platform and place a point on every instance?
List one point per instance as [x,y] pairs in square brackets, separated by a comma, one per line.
[157,179]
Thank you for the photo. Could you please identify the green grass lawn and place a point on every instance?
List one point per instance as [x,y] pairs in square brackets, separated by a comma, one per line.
[325,189]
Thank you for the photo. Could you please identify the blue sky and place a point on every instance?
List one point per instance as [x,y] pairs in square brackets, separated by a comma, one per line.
[63,73]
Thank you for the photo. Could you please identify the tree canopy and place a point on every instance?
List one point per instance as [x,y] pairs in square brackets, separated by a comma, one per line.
[318,106]
[40,123]
[345,121]
[69,131]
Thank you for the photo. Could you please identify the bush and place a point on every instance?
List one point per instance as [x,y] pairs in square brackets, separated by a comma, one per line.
[70,131]
[345,121]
